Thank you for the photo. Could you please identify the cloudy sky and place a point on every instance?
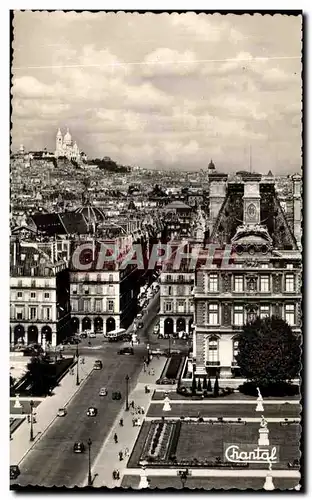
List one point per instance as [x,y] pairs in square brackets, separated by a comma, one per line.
[161,91]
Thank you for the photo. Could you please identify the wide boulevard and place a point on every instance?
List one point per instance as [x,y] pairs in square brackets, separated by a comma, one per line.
[52,460]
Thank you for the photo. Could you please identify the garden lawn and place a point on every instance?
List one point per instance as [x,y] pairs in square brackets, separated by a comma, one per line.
[234,410]
[227,483]
[205,441]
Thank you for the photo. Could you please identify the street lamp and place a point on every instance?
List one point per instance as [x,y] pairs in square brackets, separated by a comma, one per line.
[148,353]
[89,473]
[127,392]
[31,403]
[77,359]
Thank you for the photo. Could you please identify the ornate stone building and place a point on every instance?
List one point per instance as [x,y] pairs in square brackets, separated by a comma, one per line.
[262,278]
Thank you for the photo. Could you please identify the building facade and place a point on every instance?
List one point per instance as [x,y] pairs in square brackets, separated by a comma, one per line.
[263,278]
[39,297]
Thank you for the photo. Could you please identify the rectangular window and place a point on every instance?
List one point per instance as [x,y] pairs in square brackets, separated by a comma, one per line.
[46,295]
[20,313]
[32,295]
[238,315]
[213,314]
[180,278]
[290,314]
[98,305]
[238,284]
[86,290]
[98,289]
[264,312]
[213,283]
[169,290]
[264,284]
[181,306]
[46,313]
[289,283]
[86,306]
[181,290]
[33,284]
[110,305]
[19,295]
[74,304]
[168,306]
[169,277]
[289,266]
[265,266]
[33,313]
[20,283]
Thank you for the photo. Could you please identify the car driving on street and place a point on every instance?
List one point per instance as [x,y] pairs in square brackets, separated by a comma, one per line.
[79,447]
[62,412]
[103,391]
[126,351]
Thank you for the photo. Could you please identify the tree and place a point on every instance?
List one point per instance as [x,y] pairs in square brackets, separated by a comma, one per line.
[199,387]
[216,387]
[209,386]
[193,385]
[268,352]
[41,375]
[205,387]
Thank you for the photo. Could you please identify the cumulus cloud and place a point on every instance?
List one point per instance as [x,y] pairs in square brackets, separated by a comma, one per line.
[168,90]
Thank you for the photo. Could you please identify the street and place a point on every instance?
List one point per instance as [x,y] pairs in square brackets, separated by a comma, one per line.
[52,460]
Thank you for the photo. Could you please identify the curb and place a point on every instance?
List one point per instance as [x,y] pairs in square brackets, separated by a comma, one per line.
[42,433]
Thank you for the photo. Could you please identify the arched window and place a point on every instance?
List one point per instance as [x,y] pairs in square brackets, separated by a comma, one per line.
[235,350]
[213,350]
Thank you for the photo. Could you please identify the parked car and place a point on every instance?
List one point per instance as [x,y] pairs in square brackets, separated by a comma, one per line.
[126,351]
[92,335]
[62,412]
[140,324]
[139,315]
[103,391]
[79,447]
[98,365]
[83,335]
[71,341]
[92,412]
[116,395]
[14,471]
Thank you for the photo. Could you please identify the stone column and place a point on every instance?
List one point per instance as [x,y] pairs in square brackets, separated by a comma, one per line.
[161,325]
[174,324]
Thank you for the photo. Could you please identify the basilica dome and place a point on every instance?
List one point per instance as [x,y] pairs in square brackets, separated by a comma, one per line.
[67,138]
[91,214]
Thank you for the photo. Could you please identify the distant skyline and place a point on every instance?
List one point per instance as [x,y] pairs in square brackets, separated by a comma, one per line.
[161,91]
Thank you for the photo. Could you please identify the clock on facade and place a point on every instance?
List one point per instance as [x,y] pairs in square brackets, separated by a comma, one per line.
[252,211]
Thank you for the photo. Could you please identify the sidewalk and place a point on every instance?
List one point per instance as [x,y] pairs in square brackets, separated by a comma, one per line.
[108,458]
[46,412]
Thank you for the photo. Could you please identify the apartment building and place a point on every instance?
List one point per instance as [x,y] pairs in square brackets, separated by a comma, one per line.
[39,297]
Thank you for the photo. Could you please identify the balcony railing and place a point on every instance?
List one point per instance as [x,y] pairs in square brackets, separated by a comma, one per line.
[212,363]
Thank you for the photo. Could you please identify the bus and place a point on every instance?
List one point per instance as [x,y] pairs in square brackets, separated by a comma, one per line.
[118,334]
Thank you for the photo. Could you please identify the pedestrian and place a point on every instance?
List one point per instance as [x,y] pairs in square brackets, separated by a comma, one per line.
[115,438]
[126,452]
[133,422]
[114,474]
[121,422]
[120,456]
[132,404]
[144,366]
[117,475]
[89,343]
